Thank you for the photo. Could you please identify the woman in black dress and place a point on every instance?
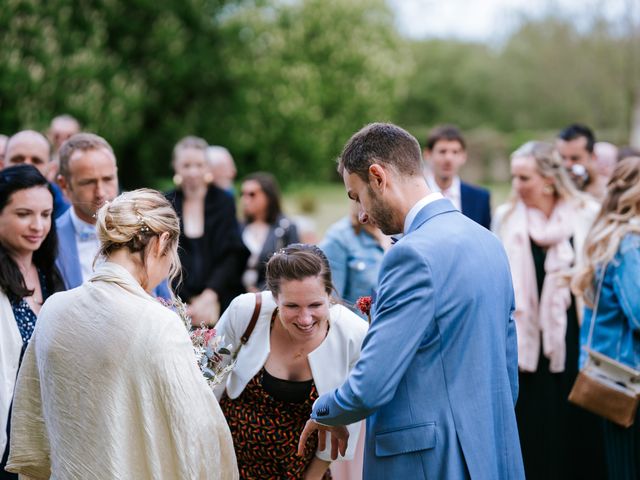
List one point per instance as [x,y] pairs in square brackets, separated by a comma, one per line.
[543,228]
[211,251]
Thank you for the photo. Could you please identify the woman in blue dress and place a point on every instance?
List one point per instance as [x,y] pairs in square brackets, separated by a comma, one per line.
[28,274]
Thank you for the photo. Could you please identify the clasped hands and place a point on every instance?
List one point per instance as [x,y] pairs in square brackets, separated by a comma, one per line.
[339,437]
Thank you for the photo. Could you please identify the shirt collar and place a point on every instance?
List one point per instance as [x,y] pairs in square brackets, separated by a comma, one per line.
[83,229]
[420,204]
[433,185]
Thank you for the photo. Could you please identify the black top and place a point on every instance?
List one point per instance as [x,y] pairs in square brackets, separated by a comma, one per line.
[218,258]
[282,232]
[289,391]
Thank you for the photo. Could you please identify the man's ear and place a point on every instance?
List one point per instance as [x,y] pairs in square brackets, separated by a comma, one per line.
[426,154]
[62,183]
[378,177]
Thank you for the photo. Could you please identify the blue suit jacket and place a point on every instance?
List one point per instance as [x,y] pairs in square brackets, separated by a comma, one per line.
[68,261]
[437,377]
[476,204]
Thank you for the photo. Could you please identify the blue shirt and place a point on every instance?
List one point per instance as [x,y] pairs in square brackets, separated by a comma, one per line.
[354,259]
[617,329]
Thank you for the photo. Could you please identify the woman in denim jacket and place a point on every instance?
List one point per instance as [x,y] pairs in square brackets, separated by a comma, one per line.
[614,242]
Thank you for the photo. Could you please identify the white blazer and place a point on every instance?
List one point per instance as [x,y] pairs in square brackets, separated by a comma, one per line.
[10,348]
[330,363]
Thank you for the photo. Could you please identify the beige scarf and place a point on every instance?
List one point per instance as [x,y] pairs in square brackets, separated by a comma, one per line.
[540,316]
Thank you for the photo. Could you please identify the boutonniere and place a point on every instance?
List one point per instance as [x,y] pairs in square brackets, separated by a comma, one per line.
[364,305]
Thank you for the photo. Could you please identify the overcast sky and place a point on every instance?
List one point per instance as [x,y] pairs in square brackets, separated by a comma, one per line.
[482,20]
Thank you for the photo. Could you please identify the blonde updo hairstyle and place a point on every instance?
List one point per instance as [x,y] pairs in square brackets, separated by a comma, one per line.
[132,220]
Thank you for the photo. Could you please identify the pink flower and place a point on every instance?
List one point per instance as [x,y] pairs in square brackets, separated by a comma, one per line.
[208,335]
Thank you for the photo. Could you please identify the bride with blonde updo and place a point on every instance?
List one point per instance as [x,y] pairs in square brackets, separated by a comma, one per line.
[109,387]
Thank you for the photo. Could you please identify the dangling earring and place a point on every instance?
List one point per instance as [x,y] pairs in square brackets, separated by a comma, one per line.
[548,190]
[208,177]
[177,179]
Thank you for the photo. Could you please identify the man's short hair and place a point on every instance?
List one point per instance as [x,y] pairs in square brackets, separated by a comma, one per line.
[577,130]
[382,143]
[80,142]
[445,132]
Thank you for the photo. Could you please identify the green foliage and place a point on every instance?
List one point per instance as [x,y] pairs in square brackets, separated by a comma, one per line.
[309,74]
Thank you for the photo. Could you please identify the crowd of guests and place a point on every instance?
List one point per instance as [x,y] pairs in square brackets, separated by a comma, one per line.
[287,308]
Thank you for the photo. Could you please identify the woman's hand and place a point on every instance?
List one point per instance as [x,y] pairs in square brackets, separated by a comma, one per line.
[204,309]
[316,469]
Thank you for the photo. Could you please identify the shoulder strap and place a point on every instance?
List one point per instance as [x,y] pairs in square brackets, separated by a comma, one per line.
[594,312]
[254,318]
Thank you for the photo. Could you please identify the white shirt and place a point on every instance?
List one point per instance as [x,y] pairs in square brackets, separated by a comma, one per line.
[420,204]
[452,193]
[87,243]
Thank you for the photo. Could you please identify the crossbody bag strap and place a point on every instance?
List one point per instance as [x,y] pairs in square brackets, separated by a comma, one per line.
[254,319]
[594,312]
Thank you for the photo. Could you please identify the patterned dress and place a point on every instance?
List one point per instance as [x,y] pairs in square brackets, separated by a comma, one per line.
[266,431]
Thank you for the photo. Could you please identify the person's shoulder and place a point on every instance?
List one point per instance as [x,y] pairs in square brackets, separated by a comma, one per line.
[347,322]
[475,189]
[630,242]
[339,229]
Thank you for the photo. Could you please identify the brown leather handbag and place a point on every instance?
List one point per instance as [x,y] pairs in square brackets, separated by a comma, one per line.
[605,386]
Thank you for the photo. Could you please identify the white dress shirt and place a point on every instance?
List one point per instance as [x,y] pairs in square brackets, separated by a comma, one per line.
[87,242]
[452,193]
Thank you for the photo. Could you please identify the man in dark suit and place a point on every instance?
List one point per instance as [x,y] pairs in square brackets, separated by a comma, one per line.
[445,153]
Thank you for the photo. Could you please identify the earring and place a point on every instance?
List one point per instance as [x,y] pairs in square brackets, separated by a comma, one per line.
[177,180]
[548,190]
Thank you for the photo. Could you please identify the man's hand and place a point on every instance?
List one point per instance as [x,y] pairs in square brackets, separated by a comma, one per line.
[339,438]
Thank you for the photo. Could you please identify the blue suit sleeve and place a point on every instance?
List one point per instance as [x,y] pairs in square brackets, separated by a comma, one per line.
[404,310]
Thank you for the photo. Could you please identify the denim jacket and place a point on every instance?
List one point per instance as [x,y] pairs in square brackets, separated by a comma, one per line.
[617,329]
[355,261]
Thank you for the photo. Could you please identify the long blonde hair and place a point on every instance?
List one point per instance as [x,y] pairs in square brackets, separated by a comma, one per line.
[620,206]
[132,219]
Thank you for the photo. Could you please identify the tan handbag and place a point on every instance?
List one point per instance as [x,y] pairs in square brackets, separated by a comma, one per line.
[605,386]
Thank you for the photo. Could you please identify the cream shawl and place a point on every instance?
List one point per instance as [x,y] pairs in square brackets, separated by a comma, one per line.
[109,389]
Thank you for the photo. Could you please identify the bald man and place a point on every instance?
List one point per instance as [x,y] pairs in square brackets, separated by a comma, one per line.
[33,148]
[222,167]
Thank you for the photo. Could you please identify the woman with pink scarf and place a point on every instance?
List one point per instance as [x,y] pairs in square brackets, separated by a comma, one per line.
[543,227]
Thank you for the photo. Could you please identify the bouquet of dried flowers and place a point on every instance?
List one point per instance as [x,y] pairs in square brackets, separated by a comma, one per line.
[213,357]
[364,305]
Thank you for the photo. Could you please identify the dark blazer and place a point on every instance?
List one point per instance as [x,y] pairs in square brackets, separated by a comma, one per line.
[222,255]
[281,233]
[476,204]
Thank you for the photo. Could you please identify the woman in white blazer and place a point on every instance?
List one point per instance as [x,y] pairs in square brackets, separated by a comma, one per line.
[28,274]
[301,345]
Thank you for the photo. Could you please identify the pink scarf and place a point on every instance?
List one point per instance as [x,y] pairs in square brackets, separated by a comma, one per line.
[545,318]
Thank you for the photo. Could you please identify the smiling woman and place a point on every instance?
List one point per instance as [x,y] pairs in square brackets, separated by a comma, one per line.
[27,273]
[296,343]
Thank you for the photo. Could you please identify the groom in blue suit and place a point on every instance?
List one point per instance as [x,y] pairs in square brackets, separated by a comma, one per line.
[437,377]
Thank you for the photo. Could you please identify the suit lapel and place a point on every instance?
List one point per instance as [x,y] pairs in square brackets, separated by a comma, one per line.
[68,260]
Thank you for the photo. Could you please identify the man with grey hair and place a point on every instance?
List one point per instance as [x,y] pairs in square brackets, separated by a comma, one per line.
[222,167]
[33,148]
